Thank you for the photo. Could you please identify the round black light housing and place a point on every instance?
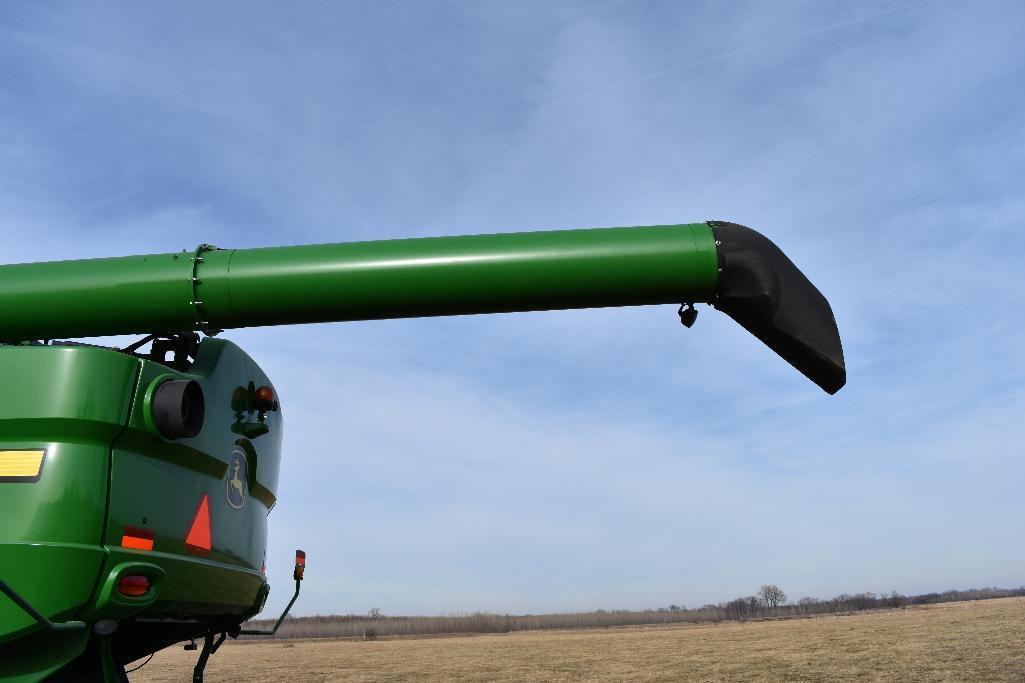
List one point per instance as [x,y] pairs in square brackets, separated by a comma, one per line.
[178,408]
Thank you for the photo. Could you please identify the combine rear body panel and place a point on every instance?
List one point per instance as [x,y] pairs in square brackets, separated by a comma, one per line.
[64,409]
[109,499]
[135,488]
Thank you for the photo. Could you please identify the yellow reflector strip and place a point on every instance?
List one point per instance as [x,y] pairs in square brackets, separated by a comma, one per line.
[21,465]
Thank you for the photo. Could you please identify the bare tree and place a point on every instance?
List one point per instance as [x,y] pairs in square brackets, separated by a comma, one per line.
[807,605]
[771,595]
[374,615]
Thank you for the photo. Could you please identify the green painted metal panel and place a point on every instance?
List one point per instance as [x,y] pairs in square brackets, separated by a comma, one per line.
[48,385]
[55,578]
[34,657]
[157,485]
[71,402]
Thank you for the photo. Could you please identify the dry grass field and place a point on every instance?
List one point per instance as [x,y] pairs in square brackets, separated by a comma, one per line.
[976,641]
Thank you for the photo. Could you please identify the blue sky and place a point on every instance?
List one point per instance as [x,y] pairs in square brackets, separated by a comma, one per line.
[587,459]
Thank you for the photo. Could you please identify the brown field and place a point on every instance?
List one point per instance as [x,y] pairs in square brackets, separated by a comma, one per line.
[967,641]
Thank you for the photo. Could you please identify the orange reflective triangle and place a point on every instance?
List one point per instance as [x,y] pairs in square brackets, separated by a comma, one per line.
[198,540]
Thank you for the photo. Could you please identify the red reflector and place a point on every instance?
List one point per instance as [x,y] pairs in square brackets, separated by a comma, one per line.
[133,586]
[198,539]
[137,539]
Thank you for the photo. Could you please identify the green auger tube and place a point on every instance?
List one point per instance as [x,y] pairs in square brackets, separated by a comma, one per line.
[732,267]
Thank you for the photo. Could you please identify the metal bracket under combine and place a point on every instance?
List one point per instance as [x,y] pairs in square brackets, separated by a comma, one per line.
[210,645]
[184,346]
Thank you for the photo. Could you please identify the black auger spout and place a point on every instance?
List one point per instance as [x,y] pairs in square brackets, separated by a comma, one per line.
[762,289]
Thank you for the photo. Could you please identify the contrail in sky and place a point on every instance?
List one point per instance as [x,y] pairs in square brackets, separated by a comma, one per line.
[739,50]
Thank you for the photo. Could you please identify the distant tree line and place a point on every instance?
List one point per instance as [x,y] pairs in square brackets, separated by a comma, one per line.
[760,606]
[768,602]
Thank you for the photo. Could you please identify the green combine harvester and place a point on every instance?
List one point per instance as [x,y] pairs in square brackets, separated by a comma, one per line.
[135,482]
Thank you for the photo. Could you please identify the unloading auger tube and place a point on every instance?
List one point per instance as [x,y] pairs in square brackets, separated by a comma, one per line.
[732,267]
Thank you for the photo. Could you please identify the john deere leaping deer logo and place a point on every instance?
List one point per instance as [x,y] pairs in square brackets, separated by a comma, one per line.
[237,477]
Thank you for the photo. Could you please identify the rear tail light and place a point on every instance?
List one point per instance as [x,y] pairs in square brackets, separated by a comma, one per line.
[134,586]
[263,399]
